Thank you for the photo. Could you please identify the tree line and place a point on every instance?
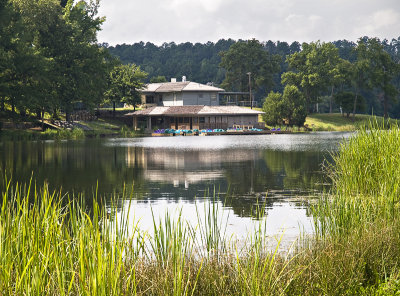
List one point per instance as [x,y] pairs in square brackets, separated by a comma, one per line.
[317,74]
[323,73]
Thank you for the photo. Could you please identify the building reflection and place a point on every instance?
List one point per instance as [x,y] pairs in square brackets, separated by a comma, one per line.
[182,168]
[241,178]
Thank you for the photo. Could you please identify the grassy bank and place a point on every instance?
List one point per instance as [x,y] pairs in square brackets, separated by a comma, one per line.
[80,130]
[54,245]
[332,122]
[336,122]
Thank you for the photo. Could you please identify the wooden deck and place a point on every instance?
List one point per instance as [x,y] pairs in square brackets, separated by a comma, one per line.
[242,132]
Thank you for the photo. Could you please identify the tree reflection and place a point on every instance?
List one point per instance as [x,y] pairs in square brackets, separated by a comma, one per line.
[240,178]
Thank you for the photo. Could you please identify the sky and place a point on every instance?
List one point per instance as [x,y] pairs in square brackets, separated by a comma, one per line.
[157,21]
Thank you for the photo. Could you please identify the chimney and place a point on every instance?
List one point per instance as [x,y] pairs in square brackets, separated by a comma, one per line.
[173,79]
[183,78]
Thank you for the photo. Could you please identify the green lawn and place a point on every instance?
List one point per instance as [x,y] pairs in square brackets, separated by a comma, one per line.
[102,126]
[336,122]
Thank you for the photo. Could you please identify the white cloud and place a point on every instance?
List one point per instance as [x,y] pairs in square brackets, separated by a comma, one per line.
[131,21]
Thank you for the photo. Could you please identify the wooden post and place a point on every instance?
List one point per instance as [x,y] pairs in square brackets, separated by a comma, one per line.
[149,123]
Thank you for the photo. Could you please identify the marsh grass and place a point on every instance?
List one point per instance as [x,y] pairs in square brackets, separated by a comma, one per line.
[52,244]
[63,134]
[358,222]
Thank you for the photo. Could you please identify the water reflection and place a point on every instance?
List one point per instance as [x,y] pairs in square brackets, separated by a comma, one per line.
[242,170]
[274,173]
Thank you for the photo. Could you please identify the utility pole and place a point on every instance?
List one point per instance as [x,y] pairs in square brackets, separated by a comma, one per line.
[251,97]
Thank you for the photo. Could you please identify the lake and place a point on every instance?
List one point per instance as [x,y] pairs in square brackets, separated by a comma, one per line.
[280,173]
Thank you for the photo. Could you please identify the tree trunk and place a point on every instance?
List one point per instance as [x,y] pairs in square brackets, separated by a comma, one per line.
[3,105]
[330,101]
[113,109]
[385,106]
[355,105]
[38,114]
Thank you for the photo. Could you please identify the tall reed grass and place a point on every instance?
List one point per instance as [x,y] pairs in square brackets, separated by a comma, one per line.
[366,179]
[51,244]
[358,223]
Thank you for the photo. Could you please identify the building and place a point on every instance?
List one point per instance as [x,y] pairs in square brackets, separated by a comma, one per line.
[189,105]
[185,93]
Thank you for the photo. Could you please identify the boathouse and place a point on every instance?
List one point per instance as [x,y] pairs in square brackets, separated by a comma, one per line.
[189,105]
[195,117]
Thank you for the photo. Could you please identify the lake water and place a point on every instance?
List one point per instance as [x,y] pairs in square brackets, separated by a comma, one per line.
[282,173]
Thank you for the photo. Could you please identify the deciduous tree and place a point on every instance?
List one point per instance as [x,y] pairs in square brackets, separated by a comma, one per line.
[248,56]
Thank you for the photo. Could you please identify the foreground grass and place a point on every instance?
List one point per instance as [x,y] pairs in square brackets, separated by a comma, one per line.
[51,244]
[363,211]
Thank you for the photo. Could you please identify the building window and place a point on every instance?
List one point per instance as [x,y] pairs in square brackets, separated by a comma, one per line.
[213,97]
[160,98]
[149,99]
[202,120]
[200,96]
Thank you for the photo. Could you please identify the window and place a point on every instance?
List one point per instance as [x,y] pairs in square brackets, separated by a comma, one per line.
[213,97]
[202,119]
[200,96]
[149,99]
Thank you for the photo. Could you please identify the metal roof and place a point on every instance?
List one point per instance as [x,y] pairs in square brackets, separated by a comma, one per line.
[179,86]
[194,110]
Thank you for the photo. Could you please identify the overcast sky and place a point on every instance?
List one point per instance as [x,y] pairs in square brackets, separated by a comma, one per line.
[158,21]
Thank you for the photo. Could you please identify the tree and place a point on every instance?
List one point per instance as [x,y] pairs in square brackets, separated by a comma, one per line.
[76,68]
[314,69]
[287,108]
[244,57]
[383,71]
[346,101]
[125,83]
[294,102]
[359,72]
[273,108]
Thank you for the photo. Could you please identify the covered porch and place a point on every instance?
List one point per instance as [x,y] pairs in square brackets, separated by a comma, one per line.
[150,123]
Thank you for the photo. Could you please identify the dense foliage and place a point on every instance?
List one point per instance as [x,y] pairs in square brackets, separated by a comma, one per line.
[124,85]
[51,59]
[247,62]
[198,62]
[319,70]
[288,108]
